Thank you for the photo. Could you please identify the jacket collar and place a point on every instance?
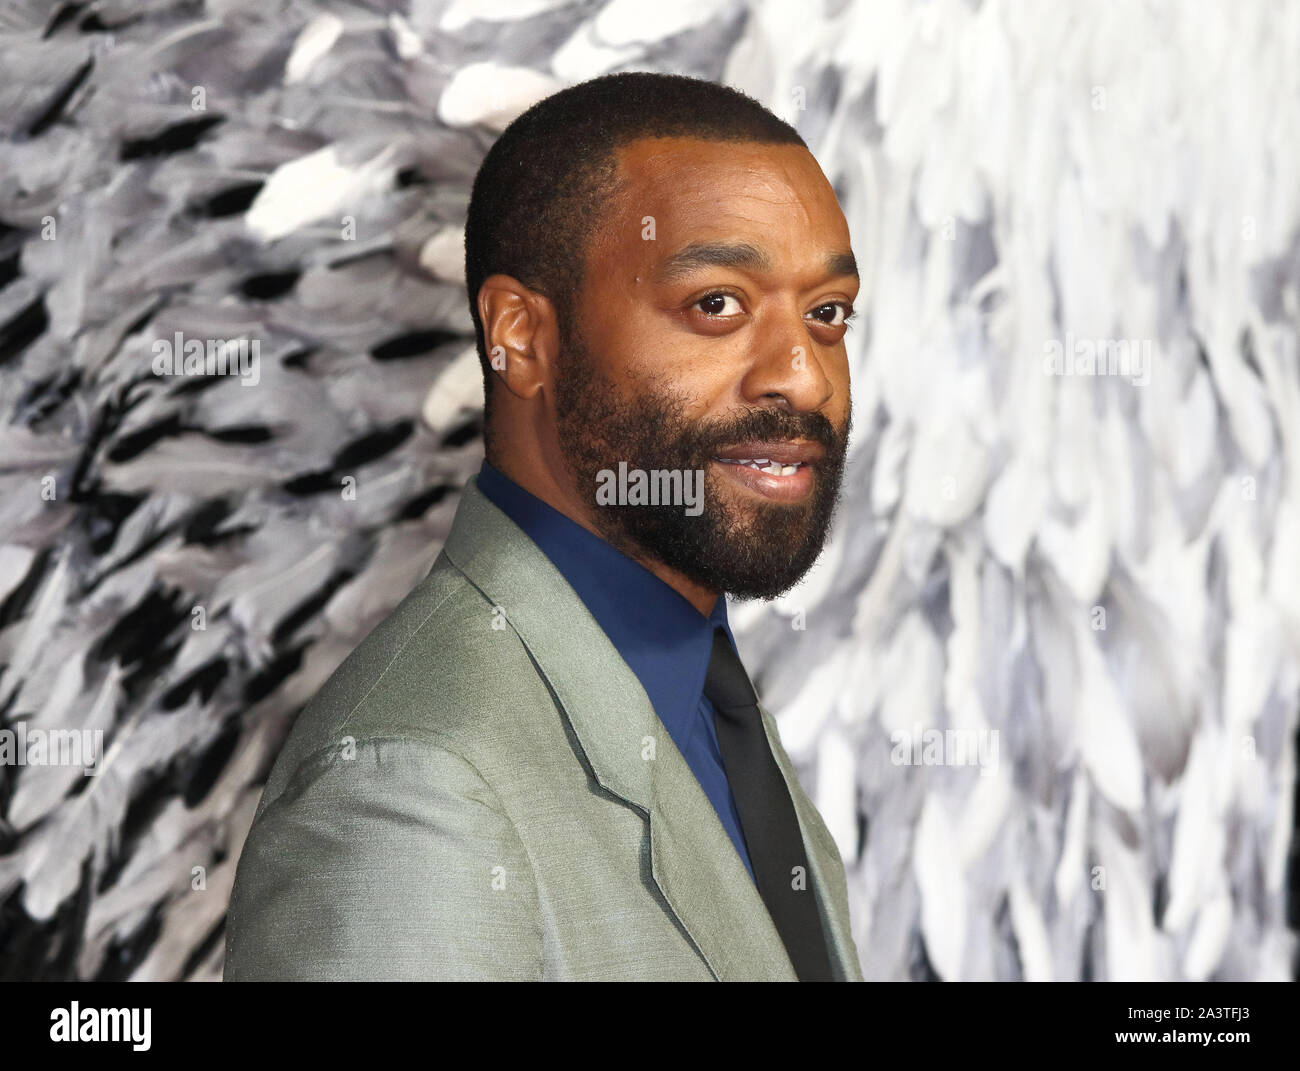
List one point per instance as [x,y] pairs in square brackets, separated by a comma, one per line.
[693,861]
[665,640]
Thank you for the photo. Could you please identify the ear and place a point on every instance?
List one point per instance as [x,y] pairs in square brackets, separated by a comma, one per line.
[521,332]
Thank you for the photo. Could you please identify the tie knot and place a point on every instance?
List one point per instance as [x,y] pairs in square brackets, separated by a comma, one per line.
[727,684]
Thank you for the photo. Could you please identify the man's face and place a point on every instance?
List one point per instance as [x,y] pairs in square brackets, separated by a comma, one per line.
[710,334]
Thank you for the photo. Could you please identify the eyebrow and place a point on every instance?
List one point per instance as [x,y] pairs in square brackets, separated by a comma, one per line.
[741,255]
[842,263]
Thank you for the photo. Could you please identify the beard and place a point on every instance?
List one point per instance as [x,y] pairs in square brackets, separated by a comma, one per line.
[739,544]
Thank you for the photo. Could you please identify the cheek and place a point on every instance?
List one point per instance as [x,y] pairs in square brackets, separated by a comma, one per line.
[668,362]
[641,346]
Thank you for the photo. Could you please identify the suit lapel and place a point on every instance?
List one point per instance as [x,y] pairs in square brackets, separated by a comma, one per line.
[704,880]
[693,861]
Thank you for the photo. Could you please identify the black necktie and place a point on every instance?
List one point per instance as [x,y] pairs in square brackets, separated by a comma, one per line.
[767,816]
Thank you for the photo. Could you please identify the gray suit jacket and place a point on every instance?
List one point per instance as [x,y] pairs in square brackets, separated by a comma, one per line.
[483,791]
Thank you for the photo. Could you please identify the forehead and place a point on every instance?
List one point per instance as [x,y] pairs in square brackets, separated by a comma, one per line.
[773,196]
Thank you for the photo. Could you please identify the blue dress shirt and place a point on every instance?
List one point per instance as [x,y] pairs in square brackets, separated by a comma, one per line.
[665,640]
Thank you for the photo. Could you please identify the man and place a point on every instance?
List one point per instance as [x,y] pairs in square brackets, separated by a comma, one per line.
[549,763]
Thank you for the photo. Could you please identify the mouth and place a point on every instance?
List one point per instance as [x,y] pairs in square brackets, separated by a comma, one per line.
[781,472]
[772,468]
[767,452]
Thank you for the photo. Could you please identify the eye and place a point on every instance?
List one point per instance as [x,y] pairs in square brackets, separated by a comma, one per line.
[834,314]
[719,304]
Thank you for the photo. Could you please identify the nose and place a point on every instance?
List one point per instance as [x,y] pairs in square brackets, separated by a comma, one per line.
[788,372]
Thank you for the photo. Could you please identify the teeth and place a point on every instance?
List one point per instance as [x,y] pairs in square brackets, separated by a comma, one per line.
[772,468]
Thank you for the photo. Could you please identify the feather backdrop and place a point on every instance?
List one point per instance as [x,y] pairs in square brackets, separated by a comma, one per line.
[1044,683]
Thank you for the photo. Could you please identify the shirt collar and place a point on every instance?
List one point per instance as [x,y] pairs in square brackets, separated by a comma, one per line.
[664,640]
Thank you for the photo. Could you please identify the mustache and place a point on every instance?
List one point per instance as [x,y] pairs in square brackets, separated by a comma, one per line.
[773,425]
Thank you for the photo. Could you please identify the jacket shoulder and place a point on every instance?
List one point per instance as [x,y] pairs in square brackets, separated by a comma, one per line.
[390,859]
[444,664]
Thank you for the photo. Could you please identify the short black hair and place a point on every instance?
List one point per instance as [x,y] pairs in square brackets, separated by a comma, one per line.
[544,184]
